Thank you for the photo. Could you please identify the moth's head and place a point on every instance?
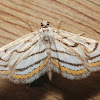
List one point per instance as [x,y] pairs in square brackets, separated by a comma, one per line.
[45,24]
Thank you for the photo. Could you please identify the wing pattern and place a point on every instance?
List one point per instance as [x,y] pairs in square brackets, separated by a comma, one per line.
[68,54]
[76,56]
[22,60]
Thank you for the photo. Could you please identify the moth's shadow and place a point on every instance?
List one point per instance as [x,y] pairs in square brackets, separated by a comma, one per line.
[78,89]
[33,91]
[71,89]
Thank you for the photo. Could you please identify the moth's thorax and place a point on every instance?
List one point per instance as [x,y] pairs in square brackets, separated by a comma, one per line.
[46,37]
[46,34]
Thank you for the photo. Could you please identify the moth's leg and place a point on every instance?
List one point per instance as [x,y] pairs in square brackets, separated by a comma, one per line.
[81,34]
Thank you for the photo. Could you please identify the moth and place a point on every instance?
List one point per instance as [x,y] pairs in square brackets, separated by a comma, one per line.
[49,50]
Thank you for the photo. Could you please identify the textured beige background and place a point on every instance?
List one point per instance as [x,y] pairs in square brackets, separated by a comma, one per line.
[77,16]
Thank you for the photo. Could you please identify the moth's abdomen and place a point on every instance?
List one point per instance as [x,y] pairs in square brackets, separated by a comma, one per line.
[47,42]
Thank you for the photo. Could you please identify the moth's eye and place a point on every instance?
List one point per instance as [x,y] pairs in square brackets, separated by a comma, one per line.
[41,24]
[47,23]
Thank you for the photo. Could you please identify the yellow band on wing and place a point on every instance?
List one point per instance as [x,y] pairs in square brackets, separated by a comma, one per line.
[5,72]
[35,71]
[68,70]
[93,64]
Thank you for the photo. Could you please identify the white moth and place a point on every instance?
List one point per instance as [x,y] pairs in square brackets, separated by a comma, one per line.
[48,50]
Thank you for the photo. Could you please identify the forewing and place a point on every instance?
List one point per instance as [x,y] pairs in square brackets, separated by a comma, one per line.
[23,60]
[84,50]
